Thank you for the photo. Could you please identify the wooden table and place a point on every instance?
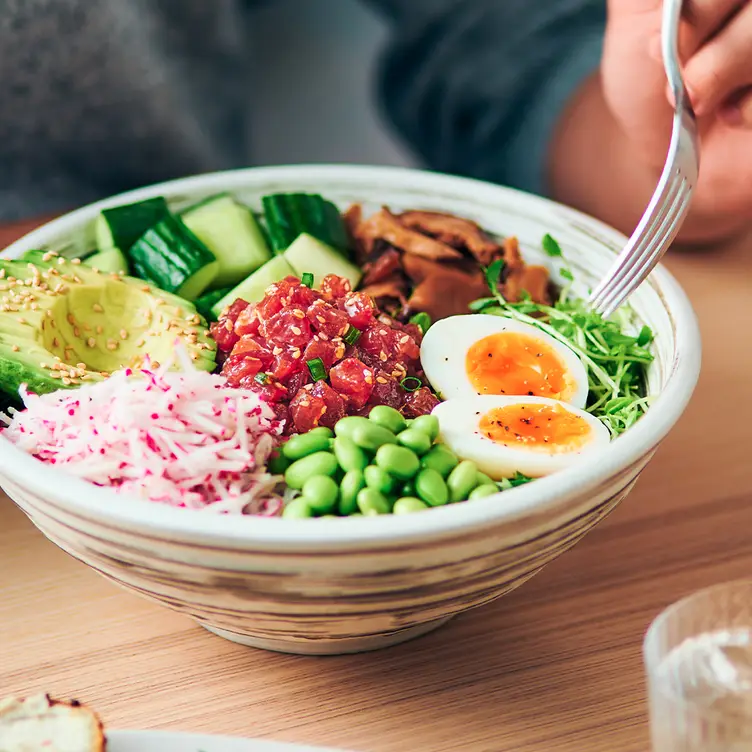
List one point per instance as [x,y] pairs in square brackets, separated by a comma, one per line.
[554,666]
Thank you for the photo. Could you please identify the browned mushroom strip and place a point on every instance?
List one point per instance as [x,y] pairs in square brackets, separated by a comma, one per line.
[385,226]
[383,266]
[454,231]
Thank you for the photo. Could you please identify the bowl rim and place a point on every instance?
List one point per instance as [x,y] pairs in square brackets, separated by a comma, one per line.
[545,496]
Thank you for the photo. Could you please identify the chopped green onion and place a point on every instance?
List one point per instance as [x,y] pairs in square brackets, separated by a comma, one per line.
[262,378]
[493,274]
[422,320]
[352,335]
[316,367]
[550,246]
[307,279]
[411,383]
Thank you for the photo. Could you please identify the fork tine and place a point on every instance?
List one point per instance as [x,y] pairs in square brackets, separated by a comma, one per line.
[651,254]
[625,261]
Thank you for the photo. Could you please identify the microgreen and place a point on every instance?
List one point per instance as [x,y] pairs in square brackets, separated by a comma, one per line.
[616,362]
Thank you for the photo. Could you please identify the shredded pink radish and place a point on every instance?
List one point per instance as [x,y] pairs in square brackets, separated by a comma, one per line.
[182,438]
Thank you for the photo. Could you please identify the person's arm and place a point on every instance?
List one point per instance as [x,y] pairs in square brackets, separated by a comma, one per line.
[478,87]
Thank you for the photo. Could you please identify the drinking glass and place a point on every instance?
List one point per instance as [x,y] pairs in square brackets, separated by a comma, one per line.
[698,660]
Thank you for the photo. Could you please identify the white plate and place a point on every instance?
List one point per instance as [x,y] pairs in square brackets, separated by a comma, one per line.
[165,741]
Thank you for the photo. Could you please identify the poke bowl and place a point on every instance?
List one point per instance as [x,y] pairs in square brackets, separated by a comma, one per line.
[341,460]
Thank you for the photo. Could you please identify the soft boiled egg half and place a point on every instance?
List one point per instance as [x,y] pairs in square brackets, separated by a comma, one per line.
[504,435]
[480,354]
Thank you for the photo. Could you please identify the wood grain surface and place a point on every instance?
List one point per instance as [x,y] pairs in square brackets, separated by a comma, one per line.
[554,666]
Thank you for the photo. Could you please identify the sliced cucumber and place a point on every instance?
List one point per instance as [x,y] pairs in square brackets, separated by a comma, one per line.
[230,231]
[172,258]
[112,260]
[121,226]
[206,302]
[254,287]
[307,254]
[289,215]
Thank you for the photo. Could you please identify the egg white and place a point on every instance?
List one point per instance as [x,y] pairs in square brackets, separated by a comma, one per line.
[459,429]
[446,344]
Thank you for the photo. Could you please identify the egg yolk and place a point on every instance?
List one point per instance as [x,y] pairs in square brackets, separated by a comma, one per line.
[535,426]
[513,363]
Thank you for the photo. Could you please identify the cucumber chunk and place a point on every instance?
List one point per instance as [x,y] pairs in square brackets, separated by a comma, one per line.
[289,215]
[231,233]
[121,226]
[206,302]
[307,254]
[172,258]
[254,287]
[112,260]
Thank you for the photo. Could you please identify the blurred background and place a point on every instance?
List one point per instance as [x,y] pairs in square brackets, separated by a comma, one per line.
[323,111]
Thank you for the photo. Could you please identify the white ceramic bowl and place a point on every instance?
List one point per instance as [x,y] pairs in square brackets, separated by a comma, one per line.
[348,585]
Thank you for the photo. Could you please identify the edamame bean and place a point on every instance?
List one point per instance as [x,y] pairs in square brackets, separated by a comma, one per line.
[349,455]
[319,463]
[428,424]
[416,440]
[322,431]
[441,459]
[297,509]
[320,492]
[304,444]
[430,487]
[371,502]
[346,426]
[379,479]
[388,418]
[277,463]
[484,490]
[485,480]
[462,480]
[398,461]
[408,504]
[371,436]
[348,491]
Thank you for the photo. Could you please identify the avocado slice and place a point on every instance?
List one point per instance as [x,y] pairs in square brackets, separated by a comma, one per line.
[63,324]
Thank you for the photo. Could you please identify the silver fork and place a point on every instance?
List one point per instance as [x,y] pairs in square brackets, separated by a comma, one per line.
[667,208]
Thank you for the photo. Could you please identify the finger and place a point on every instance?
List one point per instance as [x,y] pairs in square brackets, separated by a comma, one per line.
[738,110]
[723,65]
[708,16]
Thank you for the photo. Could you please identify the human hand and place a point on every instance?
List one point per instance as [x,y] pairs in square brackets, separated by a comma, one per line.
[716,51]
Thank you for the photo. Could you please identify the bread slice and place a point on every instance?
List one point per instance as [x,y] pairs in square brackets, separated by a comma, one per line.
[41,724]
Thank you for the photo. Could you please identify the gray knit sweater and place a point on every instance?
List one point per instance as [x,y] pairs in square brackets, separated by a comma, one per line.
[99,96]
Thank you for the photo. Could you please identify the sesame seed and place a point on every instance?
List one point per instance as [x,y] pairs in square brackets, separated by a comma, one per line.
[404,339]
[298,313]
[123,334]
[70,318]
[66,381]
[296,354]
[194,356]
[276,350]
[112,345]
[21,320]
[381,380]
[87,327]
[91,342]
[382,356]
[97,308]
[2,273]
[323,336]
[296,330]
[140,342]
[76,261]
[104,374]
[156,364]
[53,324]
[76,331]
[81,366]
[145,288]
[55,374]
[15,348]
[55,342]
[60,261]
[34,306]
[99,330]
